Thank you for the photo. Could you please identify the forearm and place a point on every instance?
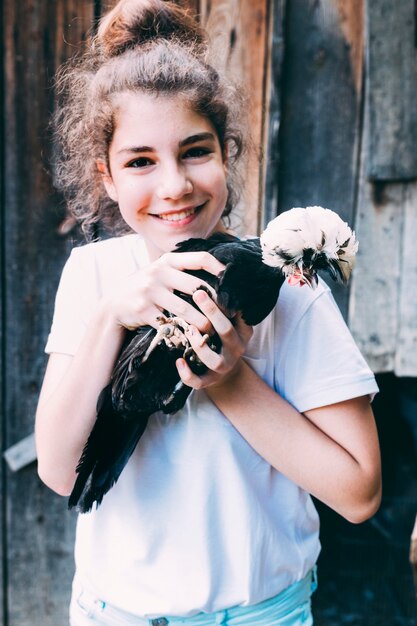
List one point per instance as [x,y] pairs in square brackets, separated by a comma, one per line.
[67,407]
[347,482]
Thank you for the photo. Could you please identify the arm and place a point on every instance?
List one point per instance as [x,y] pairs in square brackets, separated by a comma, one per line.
[67,404]
[66,407]
[332,451]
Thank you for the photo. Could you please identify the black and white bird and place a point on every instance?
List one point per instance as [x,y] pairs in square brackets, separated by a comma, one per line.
[294,246]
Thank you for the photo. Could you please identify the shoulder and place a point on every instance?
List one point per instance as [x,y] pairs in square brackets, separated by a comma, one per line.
[319,363]
[104,262]
[294,302]
[276,334]
[299,316]
[115,246]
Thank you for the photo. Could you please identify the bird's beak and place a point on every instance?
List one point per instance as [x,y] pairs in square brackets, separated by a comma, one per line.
[304,277]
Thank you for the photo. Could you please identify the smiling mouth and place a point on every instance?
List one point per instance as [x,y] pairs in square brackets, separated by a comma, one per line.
[180,215]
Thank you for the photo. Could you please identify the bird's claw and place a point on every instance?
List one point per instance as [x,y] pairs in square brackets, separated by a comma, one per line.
[204,339]
[172,332]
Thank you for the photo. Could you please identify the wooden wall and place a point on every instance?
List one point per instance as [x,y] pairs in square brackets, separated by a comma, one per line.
[36,550]
[334,135]
[383,314]
[37,530]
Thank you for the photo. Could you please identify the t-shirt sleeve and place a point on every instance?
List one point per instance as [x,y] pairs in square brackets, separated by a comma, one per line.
[72,305]
[322,363]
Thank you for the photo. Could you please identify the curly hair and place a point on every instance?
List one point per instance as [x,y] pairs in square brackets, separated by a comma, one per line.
[153,46]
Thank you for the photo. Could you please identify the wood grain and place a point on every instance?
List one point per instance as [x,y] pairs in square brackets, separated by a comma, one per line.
[321,112]
[379,286]
[302,63]
[392,89]
[383,306]
[38,36]
[238,33]
[406,348]
[272,107]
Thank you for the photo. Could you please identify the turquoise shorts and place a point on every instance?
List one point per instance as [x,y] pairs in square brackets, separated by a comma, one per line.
[291,607]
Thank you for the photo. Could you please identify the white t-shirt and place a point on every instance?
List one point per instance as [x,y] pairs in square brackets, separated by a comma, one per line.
[198,521]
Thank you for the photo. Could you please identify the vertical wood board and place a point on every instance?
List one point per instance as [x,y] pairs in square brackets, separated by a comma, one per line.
[38,36]
[238,33]
[321,112]
[392,93]
[273,111]
[405,363]
[375,288]
[383,306]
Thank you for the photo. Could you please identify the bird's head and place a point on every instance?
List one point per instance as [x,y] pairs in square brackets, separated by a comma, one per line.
[302,241]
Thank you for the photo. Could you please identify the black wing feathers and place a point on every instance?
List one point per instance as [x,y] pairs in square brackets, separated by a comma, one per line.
[140,388]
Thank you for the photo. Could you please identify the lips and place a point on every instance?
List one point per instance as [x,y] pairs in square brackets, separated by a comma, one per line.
[177,216]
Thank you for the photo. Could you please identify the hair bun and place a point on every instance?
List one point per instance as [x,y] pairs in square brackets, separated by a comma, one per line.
[134,22]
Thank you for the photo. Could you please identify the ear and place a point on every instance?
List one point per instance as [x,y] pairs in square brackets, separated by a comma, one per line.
[107,179]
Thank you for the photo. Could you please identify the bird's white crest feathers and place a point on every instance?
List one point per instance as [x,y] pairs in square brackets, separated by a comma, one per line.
[319,232]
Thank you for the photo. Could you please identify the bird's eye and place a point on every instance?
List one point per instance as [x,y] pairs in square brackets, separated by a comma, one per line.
[141,162]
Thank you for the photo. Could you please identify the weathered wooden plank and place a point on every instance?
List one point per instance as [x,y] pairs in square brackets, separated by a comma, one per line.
[405,363]
[375,289]
[392,91]
[383,307]
[239,34]
[40,532]
[321,108]
[274,61]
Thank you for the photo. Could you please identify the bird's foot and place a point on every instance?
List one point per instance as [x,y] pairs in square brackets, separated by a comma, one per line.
[171,331]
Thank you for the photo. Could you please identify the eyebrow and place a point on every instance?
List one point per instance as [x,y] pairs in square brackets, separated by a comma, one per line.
[196,138]
[185,142]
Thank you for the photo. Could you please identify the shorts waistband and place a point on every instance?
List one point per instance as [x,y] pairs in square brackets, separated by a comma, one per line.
[282,604]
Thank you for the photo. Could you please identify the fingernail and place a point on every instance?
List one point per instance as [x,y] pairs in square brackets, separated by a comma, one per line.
[200,296]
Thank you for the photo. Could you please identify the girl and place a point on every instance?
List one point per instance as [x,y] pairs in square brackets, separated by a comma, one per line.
[211,521]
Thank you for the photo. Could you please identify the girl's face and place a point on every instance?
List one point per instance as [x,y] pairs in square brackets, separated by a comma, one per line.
[167,171]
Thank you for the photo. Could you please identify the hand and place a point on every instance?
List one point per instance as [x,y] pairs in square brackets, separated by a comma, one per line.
[234,340]
[146,293]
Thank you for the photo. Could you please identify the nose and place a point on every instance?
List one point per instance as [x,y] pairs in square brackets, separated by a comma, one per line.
[174,183]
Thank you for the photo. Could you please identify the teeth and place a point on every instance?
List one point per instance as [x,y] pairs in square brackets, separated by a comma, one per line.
[176,217]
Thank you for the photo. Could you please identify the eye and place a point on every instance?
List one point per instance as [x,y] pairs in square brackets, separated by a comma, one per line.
[197,152]
[141,162]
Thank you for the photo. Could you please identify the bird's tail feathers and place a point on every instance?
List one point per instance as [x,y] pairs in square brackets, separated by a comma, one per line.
[92,449]
[105,476]
[105,454]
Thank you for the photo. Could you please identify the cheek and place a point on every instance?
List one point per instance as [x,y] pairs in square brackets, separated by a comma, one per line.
[215,179]
[134,196]
[222,190]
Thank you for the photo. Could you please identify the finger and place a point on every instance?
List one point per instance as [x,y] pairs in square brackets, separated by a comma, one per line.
[179,307]
[221,324]
[187,375]
[179,280]
[150,318]
[202,347]
[193,261]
